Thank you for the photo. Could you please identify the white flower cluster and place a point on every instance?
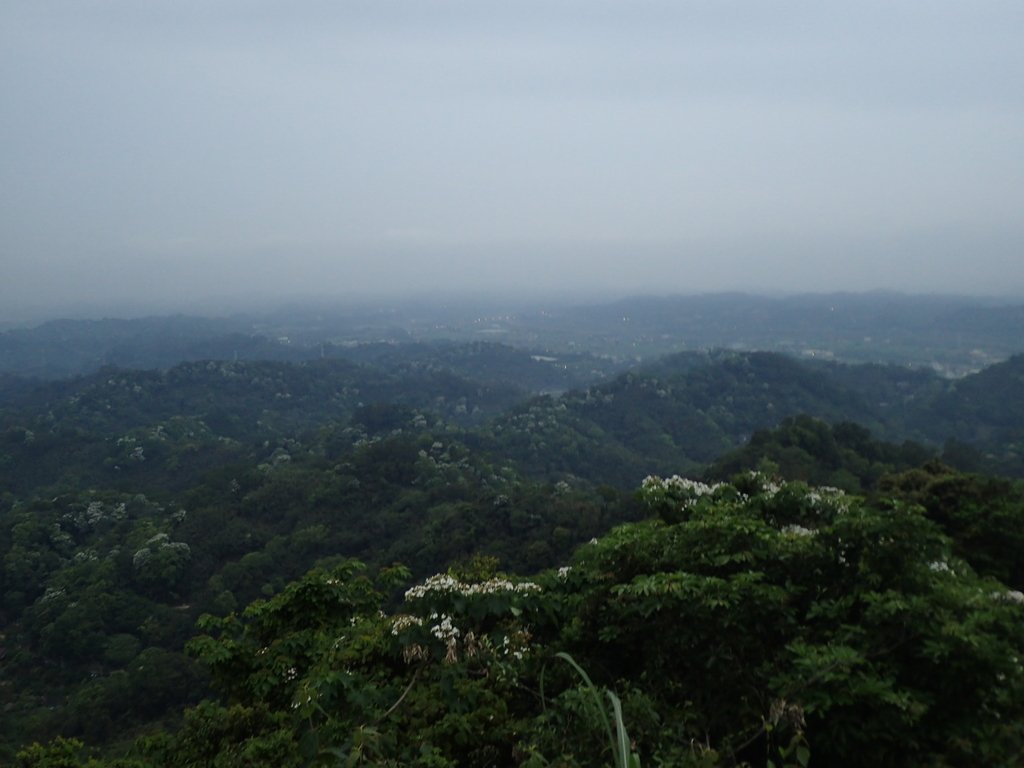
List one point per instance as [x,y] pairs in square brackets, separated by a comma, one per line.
[516,645]
[686,492]
[826,497]
[1010,596]
[444,630]
[403,621]
[765,485]
[563,572]
[676,483]
[442,583]
[51,593]
[159,542]
[447,633]
[94,513]
[59,537]
[798,530]
[141,557]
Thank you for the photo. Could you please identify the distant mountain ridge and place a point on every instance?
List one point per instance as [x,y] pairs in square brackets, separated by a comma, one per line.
[62,348]
[954,335]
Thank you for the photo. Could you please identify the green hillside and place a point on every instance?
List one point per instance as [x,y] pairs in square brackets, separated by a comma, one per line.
[760,624]
[132,502]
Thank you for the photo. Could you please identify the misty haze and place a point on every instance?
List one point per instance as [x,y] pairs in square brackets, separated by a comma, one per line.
[158,154]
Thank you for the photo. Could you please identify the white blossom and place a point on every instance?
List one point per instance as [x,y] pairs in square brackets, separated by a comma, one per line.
[51,593]
[1009,596]
[403,622]
[677,483]
[445,630]
[442,583]
[447,633]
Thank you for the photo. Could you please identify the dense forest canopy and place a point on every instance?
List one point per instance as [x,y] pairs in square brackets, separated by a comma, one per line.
[275,491]
[751,622]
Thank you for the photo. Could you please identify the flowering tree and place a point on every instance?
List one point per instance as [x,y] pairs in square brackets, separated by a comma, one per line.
[744,623]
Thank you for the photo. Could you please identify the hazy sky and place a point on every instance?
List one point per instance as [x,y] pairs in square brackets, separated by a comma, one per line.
[163,151]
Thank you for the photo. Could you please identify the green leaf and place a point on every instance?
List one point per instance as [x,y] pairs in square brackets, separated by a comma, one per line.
[309,745]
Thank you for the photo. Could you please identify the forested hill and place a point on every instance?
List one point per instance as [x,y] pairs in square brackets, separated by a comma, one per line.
[688,409]
[133,501]
[843,455]
[986,409]
[128,428]
[120,428]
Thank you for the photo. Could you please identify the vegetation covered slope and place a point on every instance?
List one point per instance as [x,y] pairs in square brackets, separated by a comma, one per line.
[689,409]
[134,501]
[679,414]
[844,455]
[98,586]
[146,429]
[751,623]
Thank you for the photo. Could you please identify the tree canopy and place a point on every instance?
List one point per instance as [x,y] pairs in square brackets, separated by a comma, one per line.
[750,622]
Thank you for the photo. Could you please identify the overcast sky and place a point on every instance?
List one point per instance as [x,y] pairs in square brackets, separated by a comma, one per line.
[165,151]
